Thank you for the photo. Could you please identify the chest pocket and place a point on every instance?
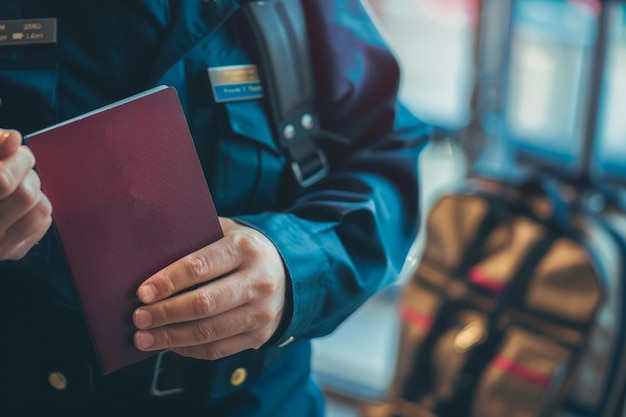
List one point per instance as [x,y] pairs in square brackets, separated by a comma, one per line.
[28,84]
[249,161]
[243,158]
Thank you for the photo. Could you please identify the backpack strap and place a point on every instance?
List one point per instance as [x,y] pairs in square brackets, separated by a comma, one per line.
[280,31]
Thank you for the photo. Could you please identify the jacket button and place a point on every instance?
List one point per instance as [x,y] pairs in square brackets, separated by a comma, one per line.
[238,377]
[58,381]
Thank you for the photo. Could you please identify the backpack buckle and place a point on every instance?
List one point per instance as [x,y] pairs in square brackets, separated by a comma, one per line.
[310,170]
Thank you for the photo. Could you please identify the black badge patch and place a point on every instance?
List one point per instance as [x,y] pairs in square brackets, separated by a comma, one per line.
[28,31]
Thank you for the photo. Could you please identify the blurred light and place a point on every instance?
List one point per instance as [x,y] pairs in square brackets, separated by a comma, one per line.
[592,7]
[433,41]
[537,72]
[449,12]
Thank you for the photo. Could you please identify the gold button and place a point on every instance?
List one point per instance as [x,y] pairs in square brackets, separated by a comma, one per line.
[58,381]
[238,377]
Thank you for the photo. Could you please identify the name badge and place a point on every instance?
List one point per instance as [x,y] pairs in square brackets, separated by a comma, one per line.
[28,31]
[235,82]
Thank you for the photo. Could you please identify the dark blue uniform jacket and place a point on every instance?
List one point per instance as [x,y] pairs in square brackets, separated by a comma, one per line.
[341,240]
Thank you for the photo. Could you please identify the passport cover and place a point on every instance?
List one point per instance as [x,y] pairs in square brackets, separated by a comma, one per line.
[129,197]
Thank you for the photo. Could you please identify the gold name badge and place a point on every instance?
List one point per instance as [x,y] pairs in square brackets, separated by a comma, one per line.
[235,82]
[28,31]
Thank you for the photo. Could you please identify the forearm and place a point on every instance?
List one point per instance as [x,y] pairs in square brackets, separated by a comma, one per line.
[345,240]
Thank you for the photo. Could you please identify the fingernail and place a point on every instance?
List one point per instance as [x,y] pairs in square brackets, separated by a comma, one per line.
[143,318]
[3,136]
[144,340]
[146,293]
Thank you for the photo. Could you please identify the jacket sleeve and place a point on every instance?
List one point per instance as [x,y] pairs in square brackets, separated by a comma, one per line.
[348,236]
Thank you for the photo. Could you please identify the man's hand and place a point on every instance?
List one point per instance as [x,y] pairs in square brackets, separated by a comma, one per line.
[236,303]
[25,212]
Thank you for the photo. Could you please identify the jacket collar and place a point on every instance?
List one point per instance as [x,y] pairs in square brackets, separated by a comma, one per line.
[193,21]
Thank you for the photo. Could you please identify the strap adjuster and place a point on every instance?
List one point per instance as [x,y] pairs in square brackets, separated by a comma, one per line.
[307,171]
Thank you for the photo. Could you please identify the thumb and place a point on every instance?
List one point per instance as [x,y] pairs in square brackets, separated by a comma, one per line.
[10,141]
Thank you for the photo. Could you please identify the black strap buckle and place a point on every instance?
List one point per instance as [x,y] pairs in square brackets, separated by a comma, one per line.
[291,96]
[312,170]
[308,161]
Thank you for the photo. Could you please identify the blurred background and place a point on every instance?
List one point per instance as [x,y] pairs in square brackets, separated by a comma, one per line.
[433,42]
[534,105]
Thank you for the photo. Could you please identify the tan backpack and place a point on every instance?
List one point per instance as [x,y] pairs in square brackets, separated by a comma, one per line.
[515,310]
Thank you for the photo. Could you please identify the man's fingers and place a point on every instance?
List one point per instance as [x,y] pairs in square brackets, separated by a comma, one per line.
[27,231]
[219,349]
[14,168]
[10,140]
[27,195]
[205,301]
[200,332]
[204,265]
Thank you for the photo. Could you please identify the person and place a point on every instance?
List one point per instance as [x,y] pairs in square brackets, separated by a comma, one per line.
[294,261]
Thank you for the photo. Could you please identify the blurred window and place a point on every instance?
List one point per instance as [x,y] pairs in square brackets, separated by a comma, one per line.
[548,73]
[433,40]
[610,151]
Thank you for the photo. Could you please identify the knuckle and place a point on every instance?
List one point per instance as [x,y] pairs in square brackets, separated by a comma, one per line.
[203,303]
[27,198]
[163,338]
[245,243]
[161,313]
[204,332]
[260,316]
[26,195]
[265,284]
[264,316]
[27,155]
[24,159]
[165,285]
[196,265]
[7,182]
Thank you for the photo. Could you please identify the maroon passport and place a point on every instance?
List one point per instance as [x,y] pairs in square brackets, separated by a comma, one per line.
[129,197]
